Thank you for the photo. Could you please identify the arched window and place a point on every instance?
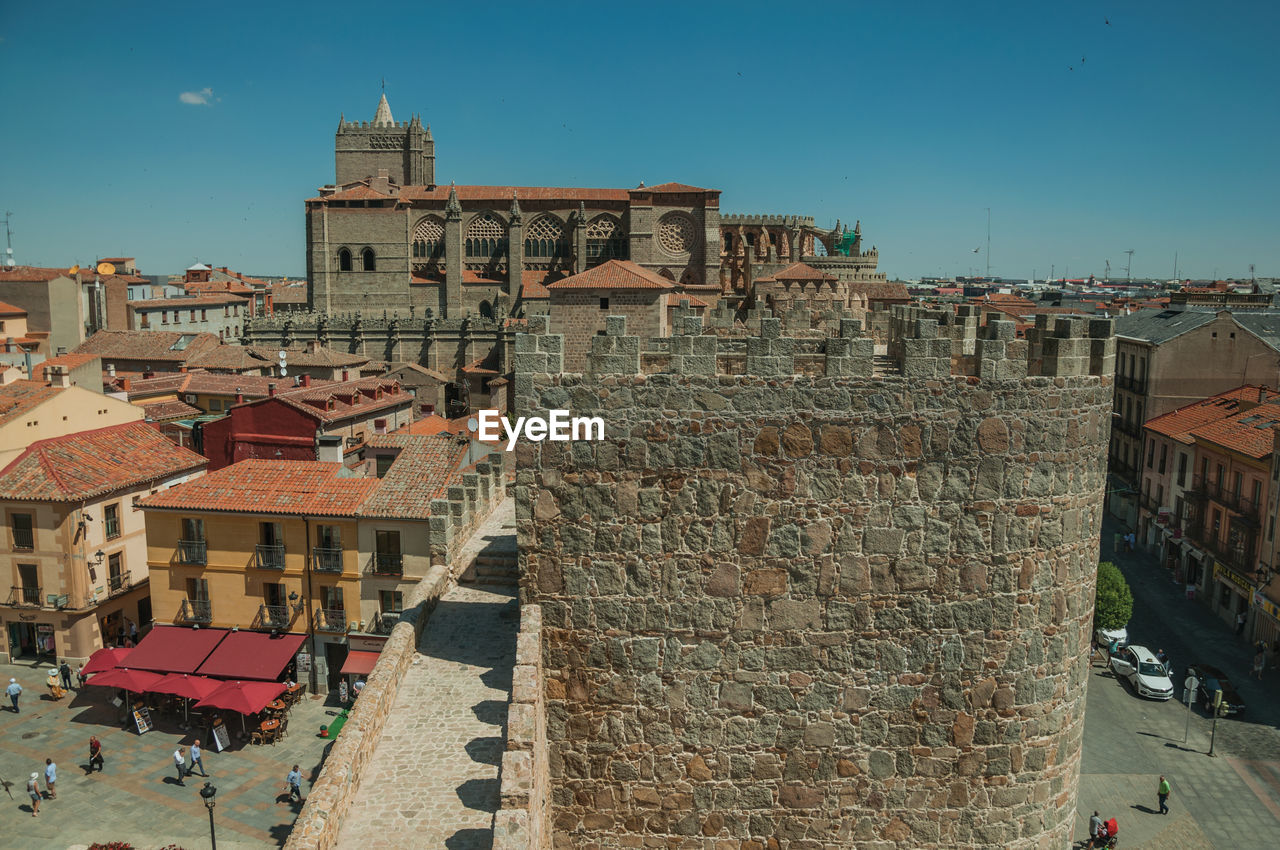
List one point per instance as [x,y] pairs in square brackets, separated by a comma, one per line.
[546,237]
[368,260]
[344,260]
[606,240]
[428,239]
[486,237]
[486,310]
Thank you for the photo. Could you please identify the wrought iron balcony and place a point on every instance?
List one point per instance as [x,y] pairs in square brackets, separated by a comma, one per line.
[1245,508]
[332,620]
[384,622]
[273,616]
[118,583]
[269,556]
[326,560]
[385,564]
[197,610]
[26,595]
[192,552]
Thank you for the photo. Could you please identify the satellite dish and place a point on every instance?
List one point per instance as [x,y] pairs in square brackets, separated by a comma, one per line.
[284,373]
[74,269]
[283,354]
[106,268]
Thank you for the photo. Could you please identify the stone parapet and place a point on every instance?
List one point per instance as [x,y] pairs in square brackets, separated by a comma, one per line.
[523,820]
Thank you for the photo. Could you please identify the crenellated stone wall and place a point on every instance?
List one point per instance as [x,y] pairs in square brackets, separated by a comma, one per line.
[823,610]
[523,821]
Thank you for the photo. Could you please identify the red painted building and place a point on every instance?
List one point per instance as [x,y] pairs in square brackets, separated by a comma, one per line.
[288,424]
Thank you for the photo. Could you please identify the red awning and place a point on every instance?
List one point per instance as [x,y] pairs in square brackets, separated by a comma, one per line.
[252,655]
[106,659]
[170,649]
[185,685]
[243,697]
[359,662]
[138,681]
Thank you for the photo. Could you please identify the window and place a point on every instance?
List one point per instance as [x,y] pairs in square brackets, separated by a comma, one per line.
[175,317]
[271,533]
[1178,515]
[1222,474]
[1217,522]
[332,598]
[390,601]
[546,237]
[111,520]
[198,589]
[164,317]
[1238,486]
[486,237]
[428,239]
[368,261]
[1204,471]
[344,260]
[235,309]
[273,595]
[1128,410]
[1159,495]
[383,463]
[23,531]
[115,565]
[192,529]
[192,318]
[329,536]
[215,405]
[1182,469]
[1257,494]
[1164,451]
[204,314]
[605,240]
[604,303]
[146,320]
[1151,453]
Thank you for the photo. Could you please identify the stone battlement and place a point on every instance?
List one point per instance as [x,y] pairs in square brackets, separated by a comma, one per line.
[766,220]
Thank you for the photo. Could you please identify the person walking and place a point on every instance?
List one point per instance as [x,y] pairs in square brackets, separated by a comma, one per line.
[14,690]
[1240,623]
[64,670]
[95,753]
[294,781]
[1259,661]
[80,677]
[1095,829]
[180,762]
[51,778]
[196,759]
[1162,791]
[33,790]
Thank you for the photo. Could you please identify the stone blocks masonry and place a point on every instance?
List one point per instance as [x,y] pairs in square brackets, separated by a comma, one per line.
[823,610]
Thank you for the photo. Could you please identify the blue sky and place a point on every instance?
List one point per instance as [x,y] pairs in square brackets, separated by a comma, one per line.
[1156,132]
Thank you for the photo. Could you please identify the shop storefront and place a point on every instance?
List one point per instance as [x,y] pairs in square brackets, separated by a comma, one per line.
[29,639]
[1266,620]
[1231,593]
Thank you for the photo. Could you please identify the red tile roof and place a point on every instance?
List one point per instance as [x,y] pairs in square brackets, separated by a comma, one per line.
[881,289]
[94,463]
[10,310]
[291,487]
[27,274]
[426,426]
[615,274]
[362,191]
[349,398]
[669,187]
[225,286]
[21,396]
[158,346]
[321,356]
[1250,432]
[165,410]
[422,470]
[472,276]
[69,360]
[194,302]
[117,261]
[801,271]
[1178,424]
[289,293]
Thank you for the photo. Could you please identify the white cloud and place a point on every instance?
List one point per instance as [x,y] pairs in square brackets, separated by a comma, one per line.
[196,98]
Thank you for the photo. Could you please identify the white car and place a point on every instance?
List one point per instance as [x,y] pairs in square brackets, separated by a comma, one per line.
[1105,637]
[1147,675]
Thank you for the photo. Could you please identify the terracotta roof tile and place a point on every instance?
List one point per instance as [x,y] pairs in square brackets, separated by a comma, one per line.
[193,302]
[881,289]
[159,346]
[21,396]
[69,360]
[26,274]
[1250,432]
[669,187]
[164,410]
[801,271]
[349,398]
[290,487]
[321,356]
[10,310]
[1178,424]
[93,463]
[422,470]
[615,274]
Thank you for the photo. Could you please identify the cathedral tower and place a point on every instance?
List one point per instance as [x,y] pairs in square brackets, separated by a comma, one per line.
[406,150]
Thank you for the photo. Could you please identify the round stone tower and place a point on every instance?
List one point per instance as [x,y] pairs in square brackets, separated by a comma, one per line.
[809,605]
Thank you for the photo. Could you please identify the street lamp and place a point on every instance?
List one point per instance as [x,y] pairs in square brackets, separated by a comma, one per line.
[207,793]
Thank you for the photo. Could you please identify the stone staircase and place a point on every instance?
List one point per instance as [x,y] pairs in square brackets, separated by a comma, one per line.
[496,564]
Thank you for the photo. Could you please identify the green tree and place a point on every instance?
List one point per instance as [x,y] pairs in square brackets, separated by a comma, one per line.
[1113,604]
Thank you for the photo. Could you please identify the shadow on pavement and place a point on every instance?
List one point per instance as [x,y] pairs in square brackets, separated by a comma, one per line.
[491,711]
[479,794]
[486,750]
[470,839]
[1146,809]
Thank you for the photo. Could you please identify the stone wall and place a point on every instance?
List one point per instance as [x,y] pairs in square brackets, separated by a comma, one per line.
[523,821]
[817,611]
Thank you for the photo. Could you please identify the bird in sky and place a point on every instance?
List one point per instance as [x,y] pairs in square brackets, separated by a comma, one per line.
[1107,21]
[976,250]
[1081,60]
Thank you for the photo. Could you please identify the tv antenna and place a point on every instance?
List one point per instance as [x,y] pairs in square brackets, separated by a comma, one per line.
[8,235]
[1106,275]
[988,243]
[1128,267]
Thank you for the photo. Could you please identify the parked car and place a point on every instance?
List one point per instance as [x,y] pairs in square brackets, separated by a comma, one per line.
[1105,637]
[1213,680]
[1147,675]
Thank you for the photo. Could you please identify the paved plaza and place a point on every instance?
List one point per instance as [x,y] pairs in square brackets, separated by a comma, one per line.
[1229,800]
[435,772]
[137,798]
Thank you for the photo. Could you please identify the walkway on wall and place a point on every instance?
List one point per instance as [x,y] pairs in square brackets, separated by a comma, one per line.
[433,779]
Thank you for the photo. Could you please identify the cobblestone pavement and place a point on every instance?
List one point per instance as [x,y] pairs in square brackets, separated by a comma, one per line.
[137,798]
[1229,800]
[434,775]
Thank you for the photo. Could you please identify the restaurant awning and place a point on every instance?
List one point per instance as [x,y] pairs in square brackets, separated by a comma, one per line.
[243,697]
[105,659]
[252,655]
[171,649]
[185,685]
[138,681]
[360,663]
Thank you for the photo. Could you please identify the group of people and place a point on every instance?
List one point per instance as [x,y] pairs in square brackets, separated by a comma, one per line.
[1103,833]
[197,760]
[50,791]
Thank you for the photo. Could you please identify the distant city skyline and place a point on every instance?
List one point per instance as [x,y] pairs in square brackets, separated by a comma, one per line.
[174,136]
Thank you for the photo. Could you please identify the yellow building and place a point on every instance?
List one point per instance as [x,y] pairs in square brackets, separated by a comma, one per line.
[33,410]
[310,547]
[73,541]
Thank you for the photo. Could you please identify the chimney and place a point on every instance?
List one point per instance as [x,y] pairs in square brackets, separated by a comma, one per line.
[271,390]
[182,368]
[329,448]
[147,373]
[57,376]
[306,380]
[124,384]
[239,396]
[346,375]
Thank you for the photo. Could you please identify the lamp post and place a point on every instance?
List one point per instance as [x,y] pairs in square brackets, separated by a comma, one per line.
[207,793]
